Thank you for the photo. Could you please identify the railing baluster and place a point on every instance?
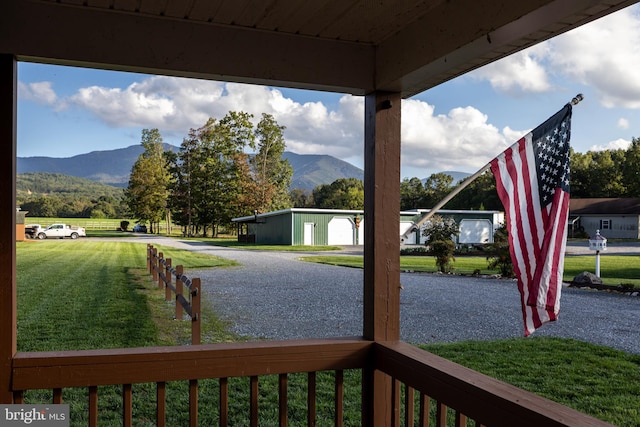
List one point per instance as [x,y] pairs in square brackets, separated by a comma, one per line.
[57,396]
[339,396]
[193,403]
[224,402]
[283,399]
[441,415]
[311,399]
[409,406]
[161,403]
[461,420]
[127,405]
[253,397]
[93,406]
[395,402]
[425,402]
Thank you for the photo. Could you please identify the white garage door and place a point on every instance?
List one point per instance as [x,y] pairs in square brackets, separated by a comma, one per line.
[475,231]
[341,231]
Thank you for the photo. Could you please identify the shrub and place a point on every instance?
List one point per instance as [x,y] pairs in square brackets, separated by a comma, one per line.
[443,251]
[501,256]
[439,232]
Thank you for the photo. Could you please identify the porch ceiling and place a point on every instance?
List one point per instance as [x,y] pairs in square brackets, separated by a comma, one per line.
[353,46]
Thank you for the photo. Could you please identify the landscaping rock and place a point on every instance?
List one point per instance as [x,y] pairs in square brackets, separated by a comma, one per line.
[587,279]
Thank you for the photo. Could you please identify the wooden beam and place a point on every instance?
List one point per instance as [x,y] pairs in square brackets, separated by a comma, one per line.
[90,37]
[382,216]
[156,364]
[486,400]
[8,108]
[382,245]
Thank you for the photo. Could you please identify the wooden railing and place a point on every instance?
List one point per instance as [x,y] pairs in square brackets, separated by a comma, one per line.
[425,389]
[162,272]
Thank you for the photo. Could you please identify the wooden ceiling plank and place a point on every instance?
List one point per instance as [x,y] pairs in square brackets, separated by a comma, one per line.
[280,12]
[378,20]
[253,13]
[329,13]
[205,10]
[296,22]
[178,8]
[103,4]
[229,11]
[126,5]
[153,7]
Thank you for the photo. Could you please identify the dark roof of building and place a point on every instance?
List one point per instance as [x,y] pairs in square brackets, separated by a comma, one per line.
[605,206]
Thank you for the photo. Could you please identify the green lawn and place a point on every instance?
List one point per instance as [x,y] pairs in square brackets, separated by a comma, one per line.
[96,294]
[83,294]
[614,269]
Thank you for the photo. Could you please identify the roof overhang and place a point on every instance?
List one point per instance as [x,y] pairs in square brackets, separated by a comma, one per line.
[350,46]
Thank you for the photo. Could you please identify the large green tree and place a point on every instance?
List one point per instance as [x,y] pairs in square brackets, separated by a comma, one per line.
[437,186]
[412,194]
[272,173]
[149,180]
[212,180]
[343,193]
[631,169]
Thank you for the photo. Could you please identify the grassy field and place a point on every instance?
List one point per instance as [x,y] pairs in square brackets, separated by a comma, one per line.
[97,294]
[614,269]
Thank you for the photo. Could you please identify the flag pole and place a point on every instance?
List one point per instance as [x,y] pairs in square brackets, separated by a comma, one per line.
[576,99]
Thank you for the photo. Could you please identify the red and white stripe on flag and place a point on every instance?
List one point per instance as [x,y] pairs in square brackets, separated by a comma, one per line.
[537,230]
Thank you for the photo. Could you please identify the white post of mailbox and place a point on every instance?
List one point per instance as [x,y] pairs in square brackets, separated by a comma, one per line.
[598,243]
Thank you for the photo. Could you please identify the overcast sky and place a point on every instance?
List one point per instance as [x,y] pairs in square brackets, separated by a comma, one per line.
[457,126]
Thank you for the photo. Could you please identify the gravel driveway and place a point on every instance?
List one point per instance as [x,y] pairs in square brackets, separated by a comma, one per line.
[275,295]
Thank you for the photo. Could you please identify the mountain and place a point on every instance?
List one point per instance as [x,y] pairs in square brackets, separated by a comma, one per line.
[113,167]
[311,170]
[457,176]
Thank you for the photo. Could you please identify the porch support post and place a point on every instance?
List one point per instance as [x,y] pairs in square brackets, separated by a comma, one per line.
[382,244]
[8,307]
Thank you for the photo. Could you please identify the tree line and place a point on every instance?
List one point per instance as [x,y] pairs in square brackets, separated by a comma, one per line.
[45,194]
[595,174]
[212,179]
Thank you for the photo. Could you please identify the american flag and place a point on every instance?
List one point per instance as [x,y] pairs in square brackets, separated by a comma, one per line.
[532,179]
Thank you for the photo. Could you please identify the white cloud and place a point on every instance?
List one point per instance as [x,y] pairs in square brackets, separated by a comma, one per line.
[165,103]
[462,140]
[38,92]
[623,123]
[517,74]
[605,55]
[175,105]
[618,144]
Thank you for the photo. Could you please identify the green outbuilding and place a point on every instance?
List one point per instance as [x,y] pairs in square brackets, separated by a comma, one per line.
[305,226]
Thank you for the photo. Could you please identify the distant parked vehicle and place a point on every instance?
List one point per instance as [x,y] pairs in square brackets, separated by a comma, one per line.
[140,228]
[32,230]
[61,231]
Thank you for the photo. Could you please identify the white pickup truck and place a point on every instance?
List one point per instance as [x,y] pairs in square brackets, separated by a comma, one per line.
[60,231]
